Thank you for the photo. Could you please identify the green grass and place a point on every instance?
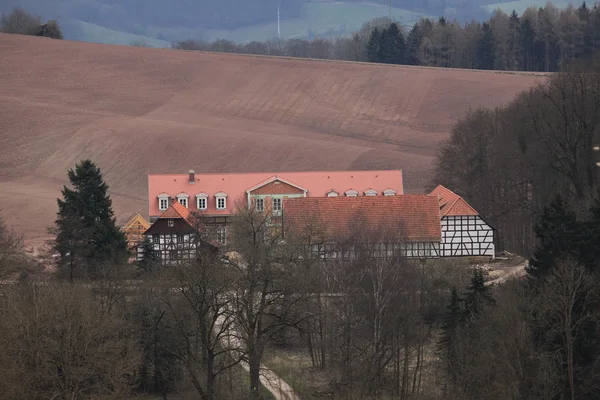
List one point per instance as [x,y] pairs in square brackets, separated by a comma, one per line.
[87,32]
[522,5]
[319,19]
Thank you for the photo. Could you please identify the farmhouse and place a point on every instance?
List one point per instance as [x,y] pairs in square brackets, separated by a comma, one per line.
[216,197]
[407,225]
[175,235]
[134,230]
[366,207]
[464,231]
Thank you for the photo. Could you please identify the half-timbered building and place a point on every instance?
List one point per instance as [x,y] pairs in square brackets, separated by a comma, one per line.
[217,196]
[134,230]
[176,236]
[464,231]
[407,225]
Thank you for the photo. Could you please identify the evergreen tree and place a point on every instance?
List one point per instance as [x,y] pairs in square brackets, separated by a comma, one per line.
[373,46]
[413,44]
[150,259]
[396,46]
[450,325]
[383,53]
[560,235]
[476,297]
[86,232]
[527,45]
[485,48]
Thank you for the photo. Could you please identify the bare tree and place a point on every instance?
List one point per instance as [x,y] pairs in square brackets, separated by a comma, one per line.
[11,250]
[202,316]
[268,288]
[20,22]
[566,300]
[58,343]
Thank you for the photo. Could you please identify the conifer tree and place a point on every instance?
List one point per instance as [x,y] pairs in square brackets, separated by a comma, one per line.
[396,46]
[86,232]
[476,297]
[485,48]
[560,235]
[450,323]
[150,258]
[413,43]
[373,46]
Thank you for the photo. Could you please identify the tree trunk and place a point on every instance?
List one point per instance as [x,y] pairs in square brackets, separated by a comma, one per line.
[210,376]
[254,357]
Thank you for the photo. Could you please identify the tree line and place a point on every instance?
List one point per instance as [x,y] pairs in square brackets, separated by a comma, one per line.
[509,162]
[20,22]
[541,39]
[380,325]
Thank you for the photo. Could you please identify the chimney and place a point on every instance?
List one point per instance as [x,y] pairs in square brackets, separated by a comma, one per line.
[192,176]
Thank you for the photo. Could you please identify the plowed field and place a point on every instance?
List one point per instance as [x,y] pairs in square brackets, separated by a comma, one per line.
[136,111]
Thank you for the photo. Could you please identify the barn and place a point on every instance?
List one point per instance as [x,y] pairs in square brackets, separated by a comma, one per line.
[464,231]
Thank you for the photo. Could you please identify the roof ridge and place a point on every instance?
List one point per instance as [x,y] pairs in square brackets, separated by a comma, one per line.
[282,172]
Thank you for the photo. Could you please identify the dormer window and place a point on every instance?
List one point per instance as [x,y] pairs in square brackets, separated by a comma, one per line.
[351,193]
[370,192]
[202,201]
[163,202]
[332,193]
[221,200]
[182,198]
[389,192]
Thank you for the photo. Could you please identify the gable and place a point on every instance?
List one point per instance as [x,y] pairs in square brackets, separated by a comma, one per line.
[460,207]
[277,187]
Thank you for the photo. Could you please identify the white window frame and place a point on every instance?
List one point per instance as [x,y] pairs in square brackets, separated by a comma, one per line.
[222,234]
[260,204]
[389,192]
[370,192]
[351,193]
[156,239]
[182,198]
[332,193]
[277,208]
[162,198]
[221,197]
[204,197]
[170,222]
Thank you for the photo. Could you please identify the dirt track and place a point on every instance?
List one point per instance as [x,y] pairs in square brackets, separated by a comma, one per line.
[137,110]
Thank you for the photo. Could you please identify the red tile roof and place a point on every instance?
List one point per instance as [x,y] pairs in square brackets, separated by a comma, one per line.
[415,217]
[176,210]
[452,204]
[316,183]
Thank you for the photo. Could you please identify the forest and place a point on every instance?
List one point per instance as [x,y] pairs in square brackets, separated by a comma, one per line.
[543,39]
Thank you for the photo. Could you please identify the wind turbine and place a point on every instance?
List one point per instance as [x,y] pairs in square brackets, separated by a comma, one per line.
[278,25]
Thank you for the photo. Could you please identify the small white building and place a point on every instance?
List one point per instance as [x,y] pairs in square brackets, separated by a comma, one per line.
[464,232]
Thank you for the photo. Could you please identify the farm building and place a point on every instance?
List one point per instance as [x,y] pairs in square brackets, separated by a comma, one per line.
[407,225]
[134,230]
[175,236]
[217,196]
[464,231]
[367,206]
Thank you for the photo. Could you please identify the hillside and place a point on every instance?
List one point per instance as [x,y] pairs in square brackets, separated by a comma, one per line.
[136,111]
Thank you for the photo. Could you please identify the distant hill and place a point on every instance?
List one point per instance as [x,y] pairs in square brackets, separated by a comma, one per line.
[86,32]
[136,111]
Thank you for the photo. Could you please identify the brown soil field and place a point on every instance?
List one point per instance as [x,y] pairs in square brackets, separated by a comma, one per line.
[136,111]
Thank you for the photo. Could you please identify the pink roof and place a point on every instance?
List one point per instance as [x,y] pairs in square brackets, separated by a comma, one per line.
[235,185]
[452,204]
